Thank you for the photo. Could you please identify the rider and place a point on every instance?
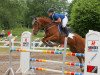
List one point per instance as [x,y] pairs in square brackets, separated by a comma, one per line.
[58,18]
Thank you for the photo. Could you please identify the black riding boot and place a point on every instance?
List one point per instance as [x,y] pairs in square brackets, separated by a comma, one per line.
[65,30]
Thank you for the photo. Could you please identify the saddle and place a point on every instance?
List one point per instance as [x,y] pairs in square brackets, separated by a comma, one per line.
[64,31]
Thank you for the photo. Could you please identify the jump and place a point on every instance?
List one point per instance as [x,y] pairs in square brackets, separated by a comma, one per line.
[75,42]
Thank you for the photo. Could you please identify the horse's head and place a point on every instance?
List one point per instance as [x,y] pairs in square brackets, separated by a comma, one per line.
[39,23]
[36,26]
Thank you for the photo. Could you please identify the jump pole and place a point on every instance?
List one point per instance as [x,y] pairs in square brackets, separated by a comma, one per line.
[64,56]
[11,44]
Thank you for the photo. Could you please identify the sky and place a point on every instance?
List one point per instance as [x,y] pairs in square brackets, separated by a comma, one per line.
[69,1]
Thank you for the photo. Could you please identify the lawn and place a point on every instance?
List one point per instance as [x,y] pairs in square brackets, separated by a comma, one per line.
[18,31]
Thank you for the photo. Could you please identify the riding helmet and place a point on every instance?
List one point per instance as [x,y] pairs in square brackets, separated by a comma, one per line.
[50,10]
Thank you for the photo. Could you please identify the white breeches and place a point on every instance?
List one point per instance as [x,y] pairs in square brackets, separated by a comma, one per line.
[64,21]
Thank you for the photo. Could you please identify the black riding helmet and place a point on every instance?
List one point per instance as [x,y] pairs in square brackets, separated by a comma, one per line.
[50,10]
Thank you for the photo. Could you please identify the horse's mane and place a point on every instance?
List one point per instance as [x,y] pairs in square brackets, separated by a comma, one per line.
[45,18]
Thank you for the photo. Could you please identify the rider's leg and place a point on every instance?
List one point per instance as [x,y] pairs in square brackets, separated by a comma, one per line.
[64,23]
[65,30]
[60,28]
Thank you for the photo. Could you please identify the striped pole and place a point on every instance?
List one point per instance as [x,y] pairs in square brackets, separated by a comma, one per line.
[67,63]
[48,52]
[6,41]
[49,48]
[56,71]
[75,54]
[8,46]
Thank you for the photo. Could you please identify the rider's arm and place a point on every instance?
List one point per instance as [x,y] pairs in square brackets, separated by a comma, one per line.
[58,20]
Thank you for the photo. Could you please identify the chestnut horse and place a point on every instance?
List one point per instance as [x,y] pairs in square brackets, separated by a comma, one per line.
[75,42]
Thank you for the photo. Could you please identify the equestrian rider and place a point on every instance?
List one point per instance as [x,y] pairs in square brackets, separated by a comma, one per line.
[59,18]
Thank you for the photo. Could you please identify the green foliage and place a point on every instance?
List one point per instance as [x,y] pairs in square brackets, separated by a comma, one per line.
[70,8]
[85,15]
[11,13]
[17,13]
[39,8]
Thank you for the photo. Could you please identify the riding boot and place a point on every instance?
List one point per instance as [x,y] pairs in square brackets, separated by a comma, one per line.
[65,30]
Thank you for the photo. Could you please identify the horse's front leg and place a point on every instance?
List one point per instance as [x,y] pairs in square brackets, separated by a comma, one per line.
[43,40]
[45,37]
[48,41]
[52,38]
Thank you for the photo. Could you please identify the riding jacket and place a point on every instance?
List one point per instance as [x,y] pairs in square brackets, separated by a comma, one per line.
[55,16]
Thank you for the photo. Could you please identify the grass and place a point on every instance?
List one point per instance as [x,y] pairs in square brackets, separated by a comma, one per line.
[18,31]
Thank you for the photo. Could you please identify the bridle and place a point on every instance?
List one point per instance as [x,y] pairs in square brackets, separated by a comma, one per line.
[37,23]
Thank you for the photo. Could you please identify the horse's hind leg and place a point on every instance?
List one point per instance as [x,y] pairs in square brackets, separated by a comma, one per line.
[83,59]
[80,60]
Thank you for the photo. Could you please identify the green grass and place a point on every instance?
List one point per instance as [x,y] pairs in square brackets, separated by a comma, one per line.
[18,31]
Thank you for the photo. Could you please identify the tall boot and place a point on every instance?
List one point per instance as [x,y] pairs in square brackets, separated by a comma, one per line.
[65,30]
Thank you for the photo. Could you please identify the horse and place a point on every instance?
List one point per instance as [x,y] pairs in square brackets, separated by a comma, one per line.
[75,42]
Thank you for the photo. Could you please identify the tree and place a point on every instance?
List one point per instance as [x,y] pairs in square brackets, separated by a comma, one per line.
[18,12]
[85,16]
[39,8]
[70,8]
[11,13]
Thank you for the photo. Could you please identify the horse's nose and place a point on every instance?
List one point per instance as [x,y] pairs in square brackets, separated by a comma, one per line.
[33,30]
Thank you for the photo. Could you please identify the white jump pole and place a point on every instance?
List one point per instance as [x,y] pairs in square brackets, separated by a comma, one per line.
[64,56]
[10,69]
